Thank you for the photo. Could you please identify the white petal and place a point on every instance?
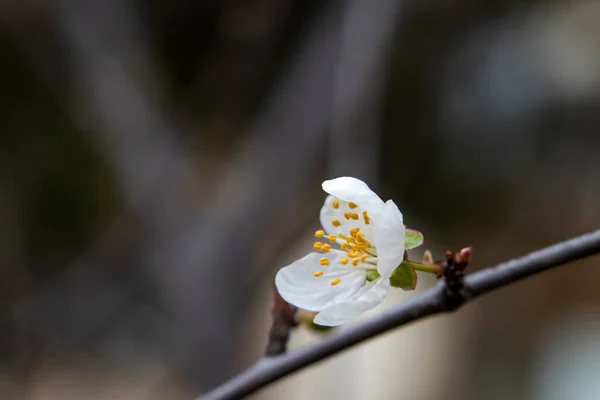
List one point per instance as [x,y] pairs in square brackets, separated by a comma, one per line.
[390,236]
[354,190]
[298,286]
[367,297]
[329,213]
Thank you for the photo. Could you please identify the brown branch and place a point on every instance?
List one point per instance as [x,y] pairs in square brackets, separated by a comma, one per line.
[284,319]
[443,298]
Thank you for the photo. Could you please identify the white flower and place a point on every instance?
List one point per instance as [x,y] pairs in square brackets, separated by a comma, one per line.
[362,243]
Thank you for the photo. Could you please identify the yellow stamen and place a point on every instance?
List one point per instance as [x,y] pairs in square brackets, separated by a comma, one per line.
[318,273]
[332,238]
[326,247]
[318,246]
[352,205]
[336,204]
[366,218]
[348,215]
[345,246]
[336,223]
[368,252]
[355,216]
[319,233]
[335,281]
[355,262]
[344,261]
[353,254]
[363,258]
[324,261]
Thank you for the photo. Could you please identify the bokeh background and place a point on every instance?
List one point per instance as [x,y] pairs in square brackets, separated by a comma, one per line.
[160,160]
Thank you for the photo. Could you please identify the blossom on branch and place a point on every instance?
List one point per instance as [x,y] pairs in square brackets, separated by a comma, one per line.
[362,243]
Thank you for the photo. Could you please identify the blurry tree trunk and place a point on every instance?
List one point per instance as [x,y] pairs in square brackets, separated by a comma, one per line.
[361,72]
[203,258]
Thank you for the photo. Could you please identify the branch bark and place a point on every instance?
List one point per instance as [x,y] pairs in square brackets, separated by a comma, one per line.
[431,302]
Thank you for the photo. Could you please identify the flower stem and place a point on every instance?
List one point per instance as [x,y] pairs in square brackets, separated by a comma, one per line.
[430,269]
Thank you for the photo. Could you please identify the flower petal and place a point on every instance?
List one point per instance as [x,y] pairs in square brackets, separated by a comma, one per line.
[298,286]
[369,296]
[390,236]
[354,190]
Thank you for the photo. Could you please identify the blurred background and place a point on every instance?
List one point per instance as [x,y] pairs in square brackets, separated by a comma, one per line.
[160,160]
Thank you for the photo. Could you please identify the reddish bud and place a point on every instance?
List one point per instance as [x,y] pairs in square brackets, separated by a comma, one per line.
[465,255]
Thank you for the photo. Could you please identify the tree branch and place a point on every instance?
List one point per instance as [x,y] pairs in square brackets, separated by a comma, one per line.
[431,302]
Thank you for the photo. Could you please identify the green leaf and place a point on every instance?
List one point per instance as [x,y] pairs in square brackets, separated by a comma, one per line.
[318,328]
[414,239]
[404,277]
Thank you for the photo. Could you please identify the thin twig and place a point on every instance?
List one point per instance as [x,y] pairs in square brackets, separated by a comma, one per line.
[433,301]
[284,319]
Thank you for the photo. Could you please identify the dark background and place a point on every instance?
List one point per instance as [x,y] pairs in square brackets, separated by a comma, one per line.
[160,160]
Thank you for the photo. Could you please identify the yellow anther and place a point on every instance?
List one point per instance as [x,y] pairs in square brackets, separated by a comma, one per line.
[332,238]
[366,218]
[336,204]
[363,258]
[348,215]
[344,261]
[318,273]
[345,246]
[336,223]
[326,247]
[353,254]
[352,205]
[319,233]
[318,246]
[324,261]
[335,281]
[355,262]
[355,216]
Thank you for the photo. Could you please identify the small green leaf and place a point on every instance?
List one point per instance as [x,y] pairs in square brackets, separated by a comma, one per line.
[318,328]
[404,277]
[414,239]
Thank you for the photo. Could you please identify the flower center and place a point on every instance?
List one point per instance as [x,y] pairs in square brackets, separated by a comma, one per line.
[358,249]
